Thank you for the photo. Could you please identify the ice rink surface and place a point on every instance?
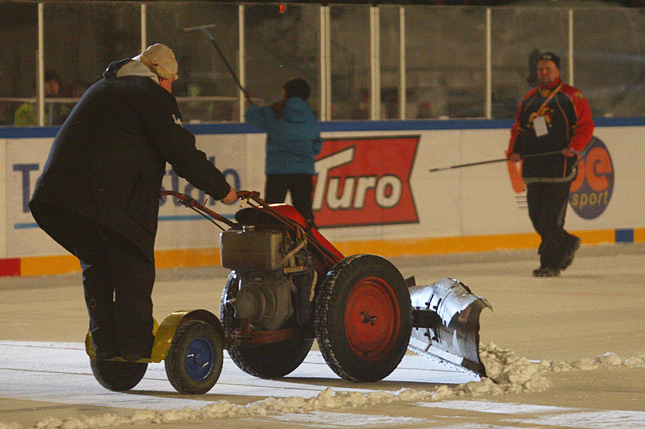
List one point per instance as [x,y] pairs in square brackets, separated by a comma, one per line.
[565,352]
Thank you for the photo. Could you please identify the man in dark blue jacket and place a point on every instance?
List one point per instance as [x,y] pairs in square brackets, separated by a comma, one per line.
[99,193]
[293,140]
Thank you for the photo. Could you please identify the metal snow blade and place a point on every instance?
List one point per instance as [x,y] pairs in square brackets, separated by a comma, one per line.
[445,324]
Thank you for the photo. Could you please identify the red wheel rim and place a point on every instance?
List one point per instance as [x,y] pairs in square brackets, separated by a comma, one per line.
[372,319]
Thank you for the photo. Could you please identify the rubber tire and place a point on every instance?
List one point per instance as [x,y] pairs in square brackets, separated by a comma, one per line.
[118,376]
[272,360]
[201,342]
[357,289]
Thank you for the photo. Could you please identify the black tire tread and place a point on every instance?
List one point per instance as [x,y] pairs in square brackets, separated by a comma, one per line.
[174,364]
[272,360]
[118,376]
[338,356]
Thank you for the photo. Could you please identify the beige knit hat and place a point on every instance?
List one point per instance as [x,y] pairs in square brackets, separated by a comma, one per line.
[160,59]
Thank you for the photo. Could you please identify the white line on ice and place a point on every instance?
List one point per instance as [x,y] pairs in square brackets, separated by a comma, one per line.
[60,373]
[550,416]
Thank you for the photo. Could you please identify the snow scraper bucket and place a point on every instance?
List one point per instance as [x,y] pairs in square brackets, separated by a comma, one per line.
[445,323]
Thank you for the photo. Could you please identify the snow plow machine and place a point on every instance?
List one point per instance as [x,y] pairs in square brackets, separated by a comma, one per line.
[289,286]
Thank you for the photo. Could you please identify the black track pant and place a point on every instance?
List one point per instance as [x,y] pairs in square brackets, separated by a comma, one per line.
[547,209]
[301,187]
[117,278]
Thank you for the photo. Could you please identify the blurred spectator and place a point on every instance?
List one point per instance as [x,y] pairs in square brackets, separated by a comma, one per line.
[532,79]
[55,113]
[425,110]
[362,110]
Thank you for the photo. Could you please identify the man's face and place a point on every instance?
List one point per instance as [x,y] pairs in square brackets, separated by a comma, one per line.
[51,88]
[166,84]
[547,72]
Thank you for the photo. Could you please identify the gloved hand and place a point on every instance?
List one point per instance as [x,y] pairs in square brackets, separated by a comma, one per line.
[515,157]
[231,197]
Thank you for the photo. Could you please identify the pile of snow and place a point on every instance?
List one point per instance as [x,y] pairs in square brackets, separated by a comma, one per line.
[507,373]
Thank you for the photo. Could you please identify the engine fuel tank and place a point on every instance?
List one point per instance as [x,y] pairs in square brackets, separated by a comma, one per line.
[251,249]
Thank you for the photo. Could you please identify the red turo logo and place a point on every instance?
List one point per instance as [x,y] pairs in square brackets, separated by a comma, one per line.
[365,181]
[593,186]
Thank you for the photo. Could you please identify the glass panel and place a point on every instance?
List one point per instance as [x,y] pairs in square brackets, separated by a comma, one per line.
[609,64]
[102,32]
[350,61]
[282,42]
[390,61]
[18,45]
[516,33]
[445,54]
[206,90]
[446,62]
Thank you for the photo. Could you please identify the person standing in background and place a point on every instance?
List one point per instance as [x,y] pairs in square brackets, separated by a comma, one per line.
[293,141]
[55,113]
[553,117]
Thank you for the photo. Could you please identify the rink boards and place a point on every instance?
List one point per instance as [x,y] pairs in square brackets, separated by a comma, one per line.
[373,193]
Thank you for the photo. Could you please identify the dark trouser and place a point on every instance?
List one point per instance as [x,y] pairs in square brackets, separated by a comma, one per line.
[547,209]
[117,278]
[301,187]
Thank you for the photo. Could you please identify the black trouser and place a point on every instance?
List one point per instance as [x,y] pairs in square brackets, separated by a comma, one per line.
[301,187]
[547,209]
[117,278]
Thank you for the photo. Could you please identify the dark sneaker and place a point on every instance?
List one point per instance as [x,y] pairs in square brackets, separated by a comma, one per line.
[105,355]
[546,272]
[132,357]
[309,224]
[105,352]
[568,257]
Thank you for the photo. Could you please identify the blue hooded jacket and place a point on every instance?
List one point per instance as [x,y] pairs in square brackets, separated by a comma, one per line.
[293,139]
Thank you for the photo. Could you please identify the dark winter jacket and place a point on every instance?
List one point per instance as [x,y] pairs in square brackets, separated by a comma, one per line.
[293,136]
[569,123]
[109,157]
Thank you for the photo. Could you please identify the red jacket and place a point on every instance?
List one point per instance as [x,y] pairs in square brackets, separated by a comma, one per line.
[569,123]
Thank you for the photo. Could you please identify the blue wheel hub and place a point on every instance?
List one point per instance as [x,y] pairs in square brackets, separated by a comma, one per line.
[199,359]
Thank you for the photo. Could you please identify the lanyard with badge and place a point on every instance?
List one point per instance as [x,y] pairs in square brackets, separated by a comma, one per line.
[539,122]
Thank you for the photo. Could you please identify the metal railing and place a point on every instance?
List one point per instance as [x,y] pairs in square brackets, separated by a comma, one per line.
[374,62]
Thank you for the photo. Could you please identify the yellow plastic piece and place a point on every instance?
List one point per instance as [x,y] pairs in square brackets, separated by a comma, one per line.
[164,334]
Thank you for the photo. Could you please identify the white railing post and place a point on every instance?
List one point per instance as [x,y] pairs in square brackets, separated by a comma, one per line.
[375,63]
[241,60]
[40,64]
[571,68]
[325,65]
[489,67]
[144,26]
[402,73]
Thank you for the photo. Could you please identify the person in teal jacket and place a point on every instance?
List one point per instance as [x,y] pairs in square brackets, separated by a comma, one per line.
[293,140]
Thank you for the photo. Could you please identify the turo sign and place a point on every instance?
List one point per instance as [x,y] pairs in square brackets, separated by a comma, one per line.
[365,181]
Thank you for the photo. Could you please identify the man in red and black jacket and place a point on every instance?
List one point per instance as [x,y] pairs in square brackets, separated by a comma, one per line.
[553,119]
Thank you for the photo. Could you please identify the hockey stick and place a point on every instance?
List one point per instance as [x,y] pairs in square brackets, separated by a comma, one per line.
[583,153]
[204,29]
[491,161]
